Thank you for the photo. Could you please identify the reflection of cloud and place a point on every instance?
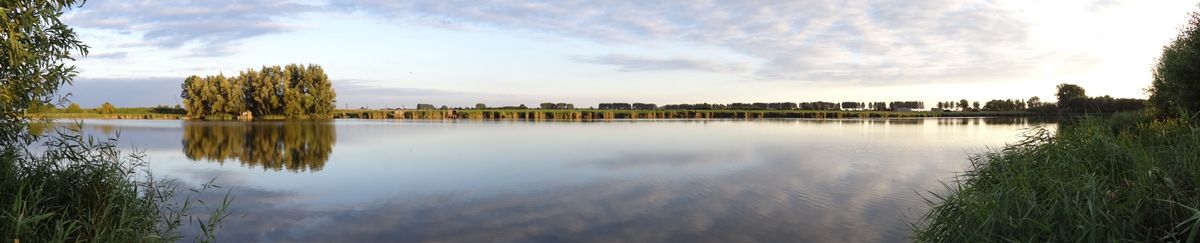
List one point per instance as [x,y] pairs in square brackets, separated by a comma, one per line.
[628,63]
[684,159]
[793,197]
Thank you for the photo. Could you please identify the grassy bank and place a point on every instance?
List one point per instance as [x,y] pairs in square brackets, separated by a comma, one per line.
[1123,178]
[499,114]
[118,113]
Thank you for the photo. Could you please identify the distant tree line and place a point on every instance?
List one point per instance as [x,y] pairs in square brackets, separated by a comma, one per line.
[1073,99]
[293,90]
[557,106]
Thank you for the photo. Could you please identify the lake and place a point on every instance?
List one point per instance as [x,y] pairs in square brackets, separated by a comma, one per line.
[787,180]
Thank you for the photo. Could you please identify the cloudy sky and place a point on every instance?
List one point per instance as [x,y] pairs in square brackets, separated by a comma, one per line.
[397,53]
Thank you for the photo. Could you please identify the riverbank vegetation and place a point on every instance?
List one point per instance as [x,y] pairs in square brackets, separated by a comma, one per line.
[67,187]
[1132,177]
[293,91]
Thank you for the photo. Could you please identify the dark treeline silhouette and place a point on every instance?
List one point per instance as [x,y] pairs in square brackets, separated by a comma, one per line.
[1071,96]
[291,146]
[818,105]
[294,90]
[1073,99]
[557,106]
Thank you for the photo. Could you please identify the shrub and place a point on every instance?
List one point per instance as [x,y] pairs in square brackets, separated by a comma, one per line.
[1176,84]
[106,108]
[74,108]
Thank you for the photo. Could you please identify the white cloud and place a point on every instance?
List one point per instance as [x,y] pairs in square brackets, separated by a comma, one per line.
[215,27]
[629,63]
[816,41]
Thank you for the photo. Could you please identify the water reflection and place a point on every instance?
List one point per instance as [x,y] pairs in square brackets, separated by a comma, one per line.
[291,146]
[771,180]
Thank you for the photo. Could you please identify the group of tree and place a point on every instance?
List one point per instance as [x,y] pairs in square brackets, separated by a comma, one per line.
[1074,99]
[907,105]
[46,107]
[293,91]
[557,106]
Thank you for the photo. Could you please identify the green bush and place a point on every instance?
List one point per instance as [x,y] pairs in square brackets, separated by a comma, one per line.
[106,108]
[1176,84]
[74,108]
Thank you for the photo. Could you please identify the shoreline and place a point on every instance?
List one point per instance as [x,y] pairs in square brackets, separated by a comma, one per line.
[537,114]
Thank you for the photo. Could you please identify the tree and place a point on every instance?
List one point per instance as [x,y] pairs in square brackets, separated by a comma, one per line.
[480,106]
[1070,92]
[106,108]
[1071,97]
[193,100]
[963,104]
[74,108]
[975,105]
[33,61]
[1176,84]
[293,91]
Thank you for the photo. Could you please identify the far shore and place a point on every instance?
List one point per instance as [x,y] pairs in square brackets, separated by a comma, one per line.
[545,114]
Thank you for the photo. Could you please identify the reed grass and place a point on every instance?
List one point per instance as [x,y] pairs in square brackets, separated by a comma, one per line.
[82,189]
[1126,178]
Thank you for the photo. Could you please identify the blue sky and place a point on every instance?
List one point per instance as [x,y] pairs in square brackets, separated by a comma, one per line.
[458,53]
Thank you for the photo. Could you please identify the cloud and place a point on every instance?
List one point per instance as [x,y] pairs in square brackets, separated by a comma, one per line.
[109,55]
[214,26]
[627,63]
[816,41]
[358,93]
[152,91]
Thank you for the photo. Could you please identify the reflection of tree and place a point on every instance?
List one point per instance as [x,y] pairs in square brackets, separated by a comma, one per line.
[295,146]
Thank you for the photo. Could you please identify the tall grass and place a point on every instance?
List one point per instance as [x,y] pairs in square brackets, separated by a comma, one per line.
[1125,178]
[81,189]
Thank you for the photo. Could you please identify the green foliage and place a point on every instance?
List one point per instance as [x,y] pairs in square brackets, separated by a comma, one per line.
[1176,84]
[35,47]
[74,108]
[1129,178]
[74,189]
[106,108]
[1070,92]
[162,109]
[39,108]
[82,190]
[294,90]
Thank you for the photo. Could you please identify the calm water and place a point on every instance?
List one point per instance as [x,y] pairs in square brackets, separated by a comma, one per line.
[620,181]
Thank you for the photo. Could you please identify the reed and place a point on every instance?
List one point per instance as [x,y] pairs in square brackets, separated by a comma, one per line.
[1126,178]
[81,189]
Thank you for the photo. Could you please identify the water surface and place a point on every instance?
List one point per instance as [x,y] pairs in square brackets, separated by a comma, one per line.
[787,180]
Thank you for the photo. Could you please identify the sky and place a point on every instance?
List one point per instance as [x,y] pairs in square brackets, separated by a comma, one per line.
[395,54]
